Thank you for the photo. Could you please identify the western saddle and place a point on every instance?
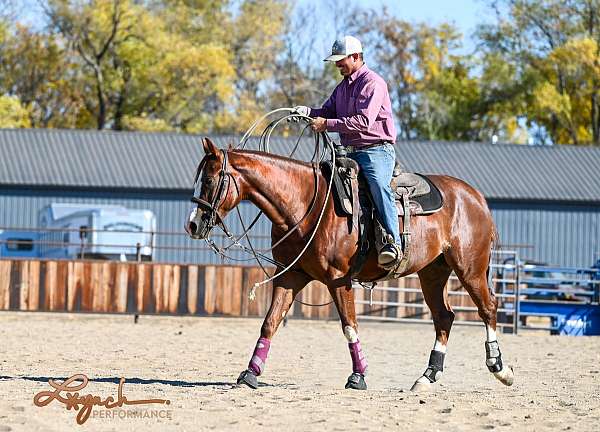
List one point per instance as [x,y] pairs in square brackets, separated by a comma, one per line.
[415,195]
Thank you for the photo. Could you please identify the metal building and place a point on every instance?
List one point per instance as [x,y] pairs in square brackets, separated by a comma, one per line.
[545,200]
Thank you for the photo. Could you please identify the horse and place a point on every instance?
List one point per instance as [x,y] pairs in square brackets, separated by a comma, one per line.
[458,238]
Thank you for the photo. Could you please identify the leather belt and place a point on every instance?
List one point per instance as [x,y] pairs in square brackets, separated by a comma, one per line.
[352,149]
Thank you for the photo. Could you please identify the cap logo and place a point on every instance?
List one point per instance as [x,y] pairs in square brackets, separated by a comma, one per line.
[338,48]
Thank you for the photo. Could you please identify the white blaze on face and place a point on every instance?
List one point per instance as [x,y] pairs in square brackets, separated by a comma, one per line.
[197,188]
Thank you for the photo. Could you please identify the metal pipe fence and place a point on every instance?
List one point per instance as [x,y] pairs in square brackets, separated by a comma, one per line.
[528,296]
[78,243]
[555,299]
[466,311]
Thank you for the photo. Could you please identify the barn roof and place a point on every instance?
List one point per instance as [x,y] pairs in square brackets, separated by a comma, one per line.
[135,160]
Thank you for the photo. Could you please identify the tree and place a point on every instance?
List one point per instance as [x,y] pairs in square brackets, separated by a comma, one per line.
[552,47]
[255,41]
[37,70]
[186,65]
[196,75]
[501,101]
[300,76]
[434,91]
[142,71]
[12,113]
[448,93]
[93,30]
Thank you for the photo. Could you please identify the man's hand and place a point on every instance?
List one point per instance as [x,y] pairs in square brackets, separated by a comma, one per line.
[302,110]
[319,124]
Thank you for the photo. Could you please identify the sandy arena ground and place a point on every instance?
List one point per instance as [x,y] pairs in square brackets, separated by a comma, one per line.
[193,362]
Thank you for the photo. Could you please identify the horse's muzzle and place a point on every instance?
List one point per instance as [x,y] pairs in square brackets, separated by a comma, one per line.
[197,226]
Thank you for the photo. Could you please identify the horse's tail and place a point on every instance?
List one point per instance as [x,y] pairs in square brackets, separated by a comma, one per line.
[495,238]
[494,245]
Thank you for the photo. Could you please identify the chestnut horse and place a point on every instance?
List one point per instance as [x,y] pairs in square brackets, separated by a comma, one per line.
[459,237]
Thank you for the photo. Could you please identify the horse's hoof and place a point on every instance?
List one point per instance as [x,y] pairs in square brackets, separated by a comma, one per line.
[356,381]
[506,376]
[422,385]
[248,378]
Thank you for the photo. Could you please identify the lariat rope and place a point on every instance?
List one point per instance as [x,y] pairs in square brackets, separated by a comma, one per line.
[264,145]
[252,294]
[265,138]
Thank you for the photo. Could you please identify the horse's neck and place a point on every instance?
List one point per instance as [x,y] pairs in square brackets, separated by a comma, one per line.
[281,188]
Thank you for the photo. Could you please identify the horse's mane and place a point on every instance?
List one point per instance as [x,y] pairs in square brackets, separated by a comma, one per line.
[270,158]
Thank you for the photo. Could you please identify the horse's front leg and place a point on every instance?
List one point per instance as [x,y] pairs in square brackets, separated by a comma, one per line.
[343,296]
[285,289]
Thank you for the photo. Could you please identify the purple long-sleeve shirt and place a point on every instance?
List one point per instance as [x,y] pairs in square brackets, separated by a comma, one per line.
[360,110]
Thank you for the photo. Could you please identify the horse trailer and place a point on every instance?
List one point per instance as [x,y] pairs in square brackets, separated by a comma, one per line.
[96,231]
[19,244]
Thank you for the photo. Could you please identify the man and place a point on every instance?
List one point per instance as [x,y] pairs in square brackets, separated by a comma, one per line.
[360,110]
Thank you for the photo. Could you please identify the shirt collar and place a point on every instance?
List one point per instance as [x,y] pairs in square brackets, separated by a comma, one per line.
[357,73]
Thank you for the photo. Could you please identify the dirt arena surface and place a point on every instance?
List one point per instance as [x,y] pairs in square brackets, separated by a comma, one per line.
[193,362]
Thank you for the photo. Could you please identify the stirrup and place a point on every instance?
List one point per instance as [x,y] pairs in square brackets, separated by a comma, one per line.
[389,258]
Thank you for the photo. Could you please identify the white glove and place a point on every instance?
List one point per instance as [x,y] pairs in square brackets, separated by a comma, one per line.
[302,110]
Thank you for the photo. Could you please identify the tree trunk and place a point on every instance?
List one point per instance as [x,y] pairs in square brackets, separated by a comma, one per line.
[119,112]
[101,116]
[121,99]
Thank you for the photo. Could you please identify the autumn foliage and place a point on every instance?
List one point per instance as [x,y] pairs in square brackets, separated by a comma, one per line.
[531,73]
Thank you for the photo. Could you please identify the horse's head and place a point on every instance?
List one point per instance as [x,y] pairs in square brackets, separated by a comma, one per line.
[215,192]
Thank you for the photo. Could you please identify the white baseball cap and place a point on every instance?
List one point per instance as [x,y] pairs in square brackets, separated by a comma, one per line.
[343,47]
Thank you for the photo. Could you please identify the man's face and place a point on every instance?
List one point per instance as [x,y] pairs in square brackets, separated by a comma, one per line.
[348,64]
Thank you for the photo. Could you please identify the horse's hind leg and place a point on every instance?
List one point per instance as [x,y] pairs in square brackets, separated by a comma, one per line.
[433,280]
[471,269]
[343,297]
[285,289]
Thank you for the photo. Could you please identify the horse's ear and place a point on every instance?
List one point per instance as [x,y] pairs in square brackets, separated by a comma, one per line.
[230,146]
[209,146]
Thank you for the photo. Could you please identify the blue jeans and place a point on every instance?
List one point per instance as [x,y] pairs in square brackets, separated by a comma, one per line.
[377,166]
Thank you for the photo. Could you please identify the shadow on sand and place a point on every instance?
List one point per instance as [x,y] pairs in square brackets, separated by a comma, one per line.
[142,381]
[175,383]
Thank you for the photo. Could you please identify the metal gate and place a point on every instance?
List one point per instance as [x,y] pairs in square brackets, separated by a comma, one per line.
[561,300]
[401,300]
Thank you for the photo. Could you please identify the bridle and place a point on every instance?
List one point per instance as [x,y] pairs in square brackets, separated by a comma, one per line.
[211,216]
[211,208]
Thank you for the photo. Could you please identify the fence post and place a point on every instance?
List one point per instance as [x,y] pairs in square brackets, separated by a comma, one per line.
[596,284]
[152,239]
[516,292]
[138,251]
[83,233]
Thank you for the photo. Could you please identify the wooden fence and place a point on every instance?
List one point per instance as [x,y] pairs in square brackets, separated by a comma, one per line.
[125,287]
